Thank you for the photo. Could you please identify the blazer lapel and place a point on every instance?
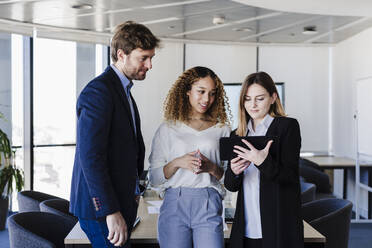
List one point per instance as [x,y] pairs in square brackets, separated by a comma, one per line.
[136,114]
[271,130]
[122,95]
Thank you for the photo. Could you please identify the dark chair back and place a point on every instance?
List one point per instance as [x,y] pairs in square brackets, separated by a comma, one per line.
[307,192]
[330,217]
[29,200]
[58,207]
[312,173]
[38,230]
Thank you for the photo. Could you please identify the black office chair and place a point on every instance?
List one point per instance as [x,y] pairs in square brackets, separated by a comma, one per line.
[312,173]
[307,192]
[330,217]
[30,200]
[38,230]
[58,207]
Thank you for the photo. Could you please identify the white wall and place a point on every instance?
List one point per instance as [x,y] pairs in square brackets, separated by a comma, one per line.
[305,73]
[231,63]
[352,62]
[150,94]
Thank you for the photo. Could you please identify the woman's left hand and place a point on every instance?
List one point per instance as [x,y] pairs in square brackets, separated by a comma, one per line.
[255,156]
[206,164]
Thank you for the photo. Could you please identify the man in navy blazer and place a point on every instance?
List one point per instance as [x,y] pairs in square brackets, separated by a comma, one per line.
[110,150]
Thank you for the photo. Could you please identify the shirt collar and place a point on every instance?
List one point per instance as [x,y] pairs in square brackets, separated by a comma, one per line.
[264,124]
[127,84]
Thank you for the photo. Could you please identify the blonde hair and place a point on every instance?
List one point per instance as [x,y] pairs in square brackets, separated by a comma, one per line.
[177,106]
[263,79]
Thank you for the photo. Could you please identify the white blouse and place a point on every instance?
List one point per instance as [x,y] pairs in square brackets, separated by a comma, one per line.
[175,140]
[251,186]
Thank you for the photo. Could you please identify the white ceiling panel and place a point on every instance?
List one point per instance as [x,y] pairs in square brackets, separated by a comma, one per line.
[179,19]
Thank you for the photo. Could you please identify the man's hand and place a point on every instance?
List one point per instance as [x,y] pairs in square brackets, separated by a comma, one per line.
[118,231]
[137,199]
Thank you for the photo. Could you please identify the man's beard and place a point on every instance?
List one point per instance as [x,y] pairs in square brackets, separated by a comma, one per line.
[138,76]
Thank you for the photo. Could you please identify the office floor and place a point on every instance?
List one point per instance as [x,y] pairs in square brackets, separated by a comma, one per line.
[4,239]
[360,236]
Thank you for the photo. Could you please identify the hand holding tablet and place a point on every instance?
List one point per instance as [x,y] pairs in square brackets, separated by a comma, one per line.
[251,148]
[252,154]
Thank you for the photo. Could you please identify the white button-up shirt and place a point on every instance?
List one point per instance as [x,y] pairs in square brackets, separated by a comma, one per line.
[251,186]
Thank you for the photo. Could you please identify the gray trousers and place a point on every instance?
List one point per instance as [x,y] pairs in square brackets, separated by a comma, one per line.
[191,217]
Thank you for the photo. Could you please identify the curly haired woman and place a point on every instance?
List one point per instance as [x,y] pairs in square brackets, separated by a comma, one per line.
[185,161]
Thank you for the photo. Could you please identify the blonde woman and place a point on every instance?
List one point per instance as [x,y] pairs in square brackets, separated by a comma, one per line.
[268,209]
[185,161]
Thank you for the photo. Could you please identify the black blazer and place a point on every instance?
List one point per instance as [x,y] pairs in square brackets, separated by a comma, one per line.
[108,153]
[280,195]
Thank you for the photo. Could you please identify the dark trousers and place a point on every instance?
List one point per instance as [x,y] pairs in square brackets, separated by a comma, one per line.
[97,233]
[252,243]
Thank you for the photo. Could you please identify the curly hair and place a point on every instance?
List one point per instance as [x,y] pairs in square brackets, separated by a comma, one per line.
[177,106]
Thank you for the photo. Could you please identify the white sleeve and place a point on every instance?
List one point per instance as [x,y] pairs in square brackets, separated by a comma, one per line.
[157,157]
[225,133]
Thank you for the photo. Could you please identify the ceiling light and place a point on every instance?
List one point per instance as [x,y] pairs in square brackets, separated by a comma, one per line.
[309,30]
[174,4]
[218,19]
[82,6]
[161,20]
[243,29]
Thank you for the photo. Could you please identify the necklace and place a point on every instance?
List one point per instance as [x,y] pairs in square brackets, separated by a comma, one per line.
[198,119]
[193,122]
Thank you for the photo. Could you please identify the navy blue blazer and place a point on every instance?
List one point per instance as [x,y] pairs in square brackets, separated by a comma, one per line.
[108,153]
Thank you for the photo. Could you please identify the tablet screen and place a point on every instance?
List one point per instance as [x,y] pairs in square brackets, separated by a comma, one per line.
[227,144]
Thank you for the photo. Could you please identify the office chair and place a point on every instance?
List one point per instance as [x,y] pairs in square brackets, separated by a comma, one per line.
[38,230]
[58,207]
[330,217]
[312,173]
[29,200]
[307,192]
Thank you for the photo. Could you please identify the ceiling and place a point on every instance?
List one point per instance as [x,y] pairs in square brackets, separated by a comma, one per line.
[186,20]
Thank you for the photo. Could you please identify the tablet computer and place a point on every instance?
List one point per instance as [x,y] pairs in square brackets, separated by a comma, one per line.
[259,142]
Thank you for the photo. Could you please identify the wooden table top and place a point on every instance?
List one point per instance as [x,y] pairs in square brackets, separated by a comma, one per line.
[146,230]
[335,162]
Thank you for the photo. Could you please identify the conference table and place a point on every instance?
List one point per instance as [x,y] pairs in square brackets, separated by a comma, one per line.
[145,233]
[345,164]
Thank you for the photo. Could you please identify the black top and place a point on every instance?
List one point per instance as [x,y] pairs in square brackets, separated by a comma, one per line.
[280,194]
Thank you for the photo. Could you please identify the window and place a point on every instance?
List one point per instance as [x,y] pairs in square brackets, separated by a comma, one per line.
[54,115]
[61,70]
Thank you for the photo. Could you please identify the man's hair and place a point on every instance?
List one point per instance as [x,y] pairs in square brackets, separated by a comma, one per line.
[131,35]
